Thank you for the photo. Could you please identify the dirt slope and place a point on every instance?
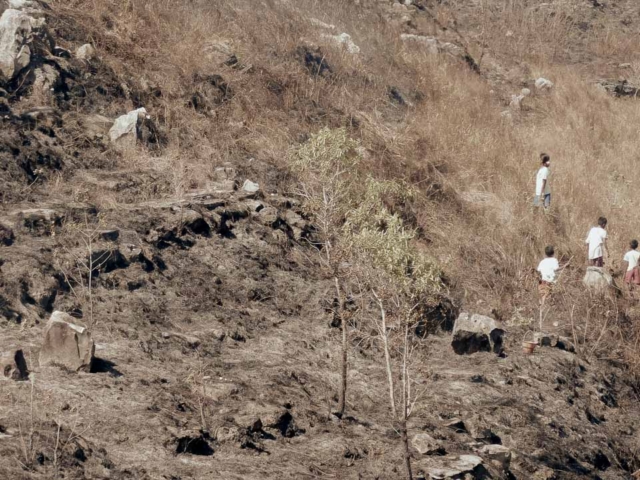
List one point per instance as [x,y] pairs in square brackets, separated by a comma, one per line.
[215,351]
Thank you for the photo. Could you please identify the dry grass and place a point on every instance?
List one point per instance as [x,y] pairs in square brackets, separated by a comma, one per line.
[474,167]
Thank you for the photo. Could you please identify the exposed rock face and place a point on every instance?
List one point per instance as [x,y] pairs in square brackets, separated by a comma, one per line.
[13,366]
[476,333]
[16,28]
[66,344]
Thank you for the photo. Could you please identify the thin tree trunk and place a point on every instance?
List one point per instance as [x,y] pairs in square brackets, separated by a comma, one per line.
[387,358]
[405,402]
[343,322]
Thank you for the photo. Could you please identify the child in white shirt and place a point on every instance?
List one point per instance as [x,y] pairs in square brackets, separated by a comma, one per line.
[548,269]
[632,257]
[597,243]
[543,192]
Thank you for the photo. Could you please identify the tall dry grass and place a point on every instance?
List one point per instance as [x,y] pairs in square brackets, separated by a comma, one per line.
[474,167]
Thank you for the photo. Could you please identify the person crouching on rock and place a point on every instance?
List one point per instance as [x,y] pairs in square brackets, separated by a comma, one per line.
[632,275]
[597,243]
[548,269]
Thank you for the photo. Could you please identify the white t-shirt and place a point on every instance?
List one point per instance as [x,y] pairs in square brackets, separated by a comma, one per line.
[632,256]
[595,239]
[548,268]
[543,174]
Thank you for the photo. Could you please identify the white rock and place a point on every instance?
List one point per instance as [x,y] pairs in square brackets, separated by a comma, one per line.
[249,186]
[124,128]
[15,35]
[345,40]
[525,92]
[86,52]
[544,84]
[430,42]
[22,4]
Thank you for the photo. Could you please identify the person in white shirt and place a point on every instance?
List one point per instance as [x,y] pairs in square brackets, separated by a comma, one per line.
[597,243]
[548,269]
[543,192]
[632,257]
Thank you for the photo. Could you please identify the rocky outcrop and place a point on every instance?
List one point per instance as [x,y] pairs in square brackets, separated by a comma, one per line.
[66,344]
[16,30]
[476,333]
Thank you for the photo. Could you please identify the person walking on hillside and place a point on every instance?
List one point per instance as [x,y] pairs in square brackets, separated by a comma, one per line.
[543,192]
[632,275]
[597,243]
[548,269]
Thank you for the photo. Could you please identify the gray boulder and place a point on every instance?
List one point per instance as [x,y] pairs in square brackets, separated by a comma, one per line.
[66,344]
[457,467]
[597,279]
[16,29]
[476,333]
[13,366]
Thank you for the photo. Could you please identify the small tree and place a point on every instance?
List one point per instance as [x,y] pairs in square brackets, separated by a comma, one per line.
[327,167]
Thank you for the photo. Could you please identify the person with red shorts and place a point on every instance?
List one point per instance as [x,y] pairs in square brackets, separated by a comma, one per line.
[632,257]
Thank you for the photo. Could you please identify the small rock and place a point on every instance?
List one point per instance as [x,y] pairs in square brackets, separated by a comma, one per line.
[124,129]
[543,84]
[191,341]
[479,429]
[249,186]
[227,434]
[625,65]
[345,40]
[498,455]
[476,333]
[525,92]
[13,366]
[86,52]
[66,344]
[425,444]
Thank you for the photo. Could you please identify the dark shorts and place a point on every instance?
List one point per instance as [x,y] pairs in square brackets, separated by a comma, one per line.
[547,200]
[596,262]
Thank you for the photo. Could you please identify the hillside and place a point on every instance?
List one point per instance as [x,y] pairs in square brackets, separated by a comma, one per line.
[301,171]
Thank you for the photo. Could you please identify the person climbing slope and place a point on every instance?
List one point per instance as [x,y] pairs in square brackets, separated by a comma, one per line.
[548,269]
[597,243]
[632,275]
[543,192]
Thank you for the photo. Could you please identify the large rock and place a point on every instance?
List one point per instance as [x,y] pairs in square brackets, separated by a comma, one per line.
[66,344]
[498,455]
[13,366]
[597,279]
[476,333]
[16,28]
[457,467]
[125,129]
[425,444]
